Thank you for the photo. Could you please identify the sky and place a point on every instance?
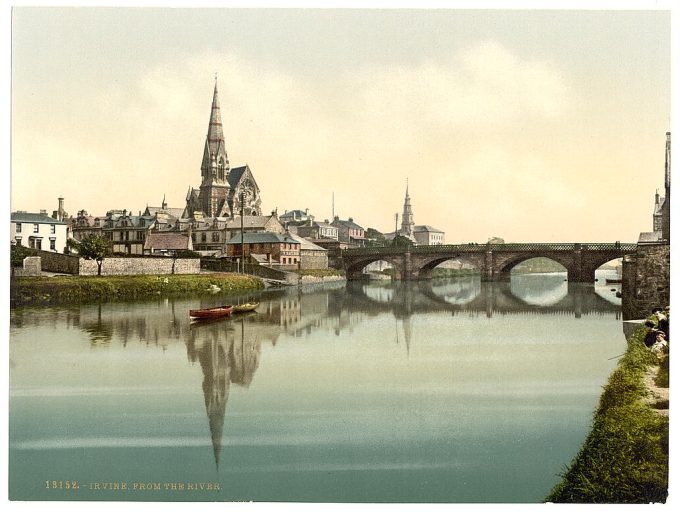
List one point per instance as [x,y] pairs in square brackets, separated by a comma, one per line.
[532,126]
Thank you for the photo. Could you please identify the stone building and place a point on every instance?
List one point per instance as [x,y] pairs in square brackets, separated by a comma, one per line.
[312,256]
[222,188]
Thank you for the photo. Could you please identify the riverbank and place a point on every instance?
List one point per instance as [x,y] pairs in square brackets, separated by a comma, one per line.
[625,457]
[78,289]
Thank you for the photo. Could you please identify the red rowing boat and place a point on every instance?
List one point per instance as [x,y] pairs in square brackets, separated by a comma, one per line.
[211,313]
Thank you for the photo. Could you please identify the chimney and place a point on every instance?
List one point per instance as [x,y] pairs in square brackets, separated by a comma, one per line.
[60,211]
[306,211]
[43,212]
[351,219]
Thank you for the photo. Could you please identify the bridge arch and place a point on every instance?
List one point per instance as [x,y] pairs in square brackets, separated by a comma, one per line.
[505,266]
[354,270]
[427,265]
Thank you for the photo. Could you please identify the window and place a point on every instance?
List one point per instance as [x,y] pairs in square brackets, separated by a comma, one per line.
[38,243]
[120,235]
[53,244]
[18,228]
[53,228]
[36,228]
[203,237]
[193,237]
[140,235]
[215,237]
[18,240]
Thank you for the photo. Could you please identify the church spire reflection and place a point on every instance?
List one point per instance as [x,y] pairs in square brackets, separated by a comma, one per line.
[227,353]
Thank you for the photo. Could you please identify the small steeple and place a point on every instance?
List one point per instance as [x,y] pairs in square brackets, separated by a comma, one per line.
[407,217]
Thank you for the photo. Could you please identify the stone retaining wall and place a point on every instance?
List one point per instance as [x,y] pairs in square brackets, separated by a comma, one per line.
[123,266]
[646,280]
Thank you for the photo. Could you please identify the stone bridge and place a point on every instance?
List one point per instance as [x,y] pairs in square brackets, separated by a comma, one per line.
[494,261]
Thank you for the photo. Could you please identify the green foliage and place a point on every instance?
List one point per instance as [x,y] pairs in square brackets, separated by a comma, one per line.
[92,247]
[320,273]
[401,241]
[625,456]
[78,289]
[18,253]
[375,238]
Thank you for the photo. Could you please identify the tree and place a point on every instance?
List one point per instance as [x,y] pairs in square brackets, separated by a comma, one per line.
[375,238]
[401,241]
[92,247]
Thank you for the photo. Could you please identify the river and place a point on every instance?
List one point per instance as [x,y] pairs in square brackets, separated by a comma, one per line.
[447,390]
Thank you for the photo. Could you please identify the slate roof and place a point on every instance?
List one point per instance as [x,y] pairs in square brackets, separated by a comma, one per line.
[347,223]
[34,218]
[249,221]
[305,244]
[650,236]
[175,212]
[261,238]
[418,229]
[166,241]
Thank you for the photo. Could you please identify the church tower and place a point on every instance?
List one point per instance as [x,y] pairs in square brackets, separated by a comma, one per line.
[214,189]
[407,217]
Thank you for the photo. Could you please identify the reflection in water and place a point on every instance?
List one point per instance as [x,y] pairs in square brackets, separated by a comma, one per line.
[229,351]
[227,354]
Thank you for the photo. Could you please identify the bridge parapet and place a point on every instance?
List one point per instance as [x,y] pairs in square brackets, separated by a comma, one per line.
[480,248]
[494,261]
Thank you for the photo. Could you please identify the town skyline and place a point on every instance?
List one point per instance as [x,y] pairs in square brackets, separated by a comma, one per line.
[526,132]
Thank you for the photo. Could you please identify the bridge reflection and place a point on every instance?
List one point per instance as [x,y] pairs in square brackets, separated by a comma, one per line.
[229,351]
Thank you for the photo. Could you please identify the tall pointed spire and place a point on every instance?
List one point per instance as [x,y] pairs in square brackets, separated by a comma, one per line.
[215,165]
[407,216]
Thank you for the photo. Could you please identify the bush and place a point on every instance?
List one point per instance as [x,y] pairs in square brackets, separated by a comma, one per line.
[18,253]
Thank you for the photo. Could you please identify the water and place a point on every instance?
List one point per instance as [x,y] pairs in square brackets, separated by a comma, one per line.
[442,391]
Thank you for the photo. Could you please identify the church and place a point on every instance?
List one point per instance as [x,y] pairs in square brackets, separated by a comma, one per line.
[223,188]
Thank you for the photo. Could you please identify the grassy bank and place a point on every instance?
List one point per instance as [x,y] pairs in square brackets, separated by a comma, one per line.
[74,289]
[625,457]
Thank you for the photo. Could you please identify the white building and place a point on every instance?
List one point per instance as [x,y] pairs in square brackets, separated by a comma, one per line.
[38,231]
[427,235]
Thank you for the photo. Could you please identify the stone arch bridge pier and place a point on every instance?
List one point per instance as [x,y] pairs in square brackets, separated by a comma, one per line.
[494,261]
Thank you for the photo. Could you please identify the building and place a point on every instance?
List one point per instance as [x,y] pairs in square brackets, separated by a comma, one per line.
[270,248]
[312,256]
[314,230]
[661,218]
[349,231]
[420,235]
[296,217]
[166,244]
[427,235]
[224,191]
[38,231]
[126,232]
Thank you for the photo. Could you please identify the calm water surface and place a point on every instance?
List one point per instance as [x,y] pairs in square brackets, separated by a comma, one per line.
[441,391]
